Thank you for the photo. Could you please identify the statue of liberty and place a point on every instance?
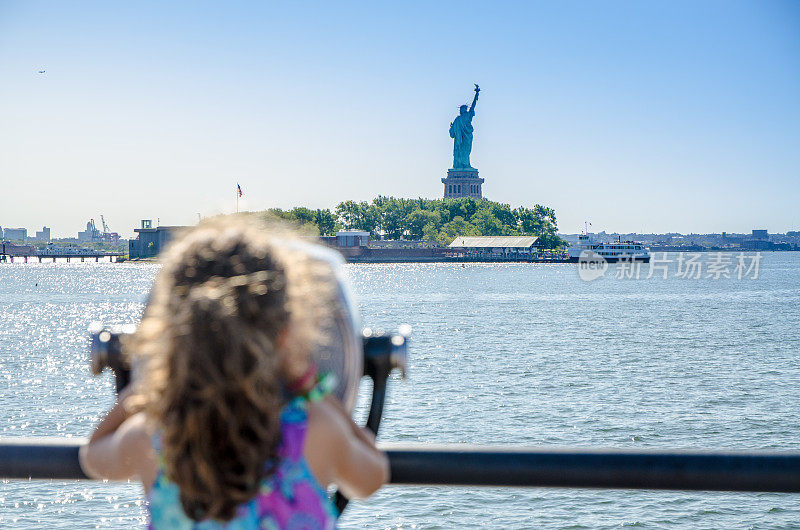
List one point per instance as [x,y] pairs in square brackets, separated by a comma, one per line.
[461,133]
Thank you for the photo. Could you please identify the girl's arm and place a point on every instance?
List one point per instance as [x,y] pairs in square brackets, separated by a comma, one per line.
[345,451]
[111,421]
[120,448]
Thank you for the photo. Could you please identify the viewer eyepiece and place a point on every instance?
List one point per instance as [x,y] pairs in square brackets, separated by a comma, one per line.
[105,351]
[382,352]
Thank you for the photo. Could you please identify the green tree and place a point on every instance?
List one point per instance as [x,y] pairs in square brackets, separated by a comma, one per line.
[486,223]
[430,232]
[358,216]
[420,221]
[277,213]
[302,214]
[391,214]
[349,214]
[504,214]
[439,219]
[326,222]
[455,228]
[529,222]
[464,207]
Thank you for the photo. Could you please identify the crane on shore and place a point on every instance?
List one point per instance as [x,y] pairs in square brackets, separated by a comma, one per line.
[108,236]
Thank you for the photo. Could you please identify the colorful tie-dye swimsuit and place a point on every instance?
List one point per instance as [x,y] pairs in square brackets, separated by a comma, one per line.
[290,498]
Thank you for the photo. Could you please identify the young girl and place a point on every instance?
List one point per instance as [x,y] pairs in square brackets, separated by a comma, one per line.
[227,424]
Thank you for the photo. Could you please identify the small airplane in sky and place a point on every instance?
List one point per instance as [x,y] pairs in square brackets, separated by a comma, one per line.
[42,71]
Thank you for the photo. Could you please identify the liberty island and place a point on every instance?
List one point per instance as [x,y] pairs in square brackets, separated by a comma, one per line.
[462,179]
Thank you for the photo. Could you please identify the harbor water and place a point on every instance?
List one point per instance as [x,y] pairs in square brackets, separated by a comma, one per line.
[501,354]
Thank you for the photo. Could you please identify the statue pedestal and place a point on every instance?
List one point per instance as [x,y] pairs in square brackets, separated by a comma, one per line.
[462,183]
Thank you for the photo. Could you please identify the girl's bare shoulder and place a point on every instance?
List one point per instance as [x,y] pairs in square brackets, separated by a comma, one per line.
[136,443]
[325,440]
[136,434]
[326,420]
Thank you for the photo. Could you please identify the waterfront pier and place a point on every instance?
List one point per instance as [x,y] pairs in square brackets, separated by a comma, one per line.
[8,256]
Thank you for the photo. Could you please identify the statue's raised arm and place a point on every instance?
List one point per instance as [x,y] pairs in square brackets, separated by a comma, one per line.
[475,99]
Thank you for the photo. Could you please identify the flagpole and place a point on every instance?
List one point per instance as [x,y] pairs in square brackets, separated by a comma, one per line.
[237,198]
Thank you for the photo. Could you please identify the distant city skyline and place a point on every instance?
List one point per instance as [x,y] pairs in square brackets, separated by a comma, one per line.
[45,233]
[640,117]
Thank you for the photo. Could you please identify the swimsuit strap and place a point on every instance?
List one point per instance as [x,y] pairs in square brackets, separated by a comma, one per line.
[326,383]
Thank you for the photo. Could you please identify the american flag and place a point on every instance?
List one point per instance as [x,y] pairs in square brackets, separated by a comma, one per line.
[240,190]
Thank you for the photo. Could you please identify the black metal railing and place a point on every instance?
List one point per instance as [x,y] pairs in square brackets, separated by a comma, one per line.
[463,465]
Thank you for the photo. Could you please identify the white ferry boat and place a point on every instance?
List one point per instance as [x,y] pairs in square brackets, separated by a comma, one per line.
[611,252]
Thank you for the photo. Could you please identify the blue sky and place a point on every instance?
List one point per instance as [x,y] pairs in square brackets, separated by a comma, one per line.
[638,116]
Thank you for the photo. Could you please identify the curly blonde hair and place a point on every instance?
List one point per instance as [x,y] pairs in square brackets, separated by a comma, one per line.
[233,312]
